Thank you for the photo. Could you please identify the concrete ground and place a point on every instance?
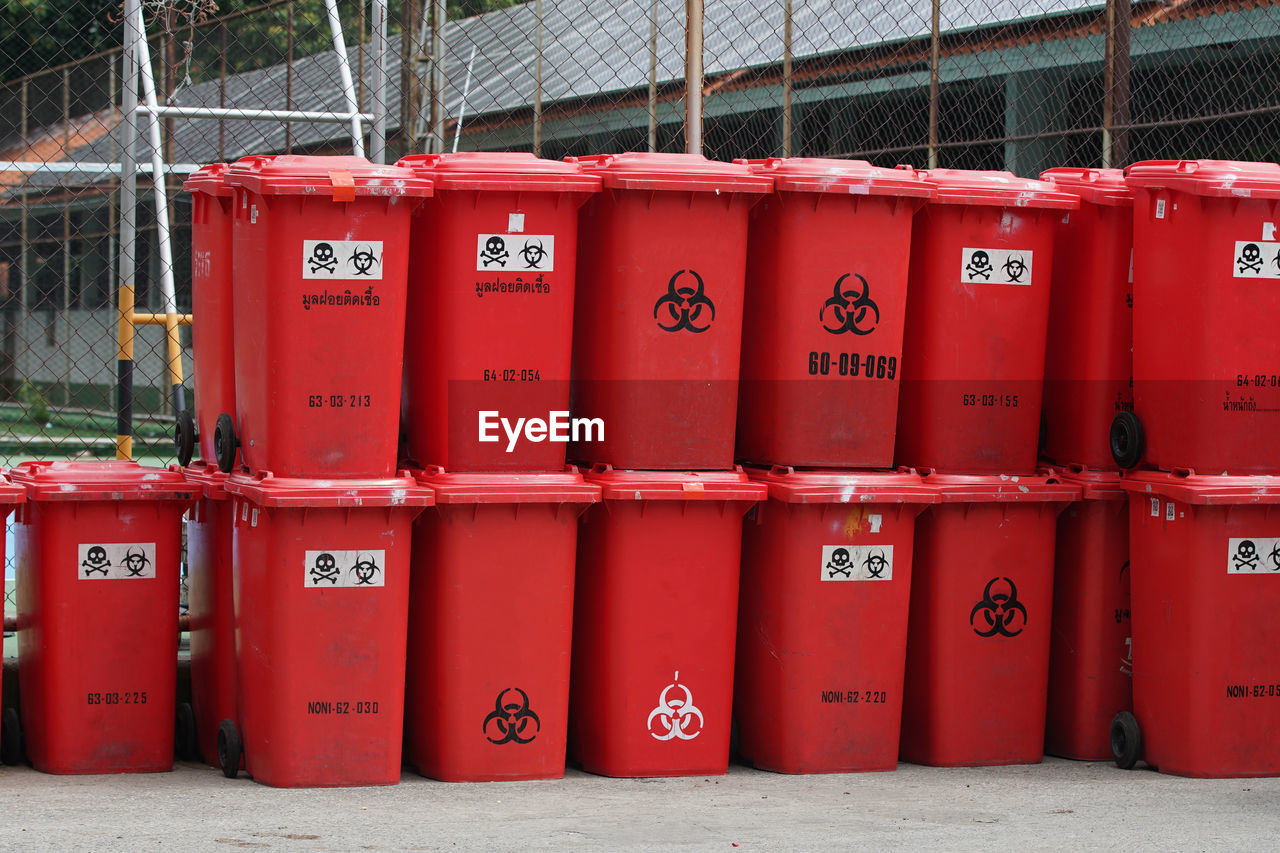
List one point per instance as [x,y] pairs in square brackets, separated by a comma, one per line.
[1053,806]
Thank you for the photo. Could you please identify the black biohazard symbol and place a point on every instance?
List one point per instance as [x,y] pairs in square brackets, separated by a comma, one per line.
[533,253]
[136,562]
[96,561]
[365,571]
[1250,258]
[325,569]
[875,564]
[1246,556]
[979,265]
[1015,267]
[495,252]
[362,260]
[1001,611]
[511,720]
[322,258]
[839,564]
[1274,557]
[849,309]
[684,305]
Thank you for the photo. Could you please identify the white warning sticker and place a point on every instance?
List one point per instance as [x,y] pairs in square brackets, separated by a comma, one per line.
[1256,260]
[342,260]
[344,568]
[117,561]
[996,266]
[1155,507]
[515,252]
[857,562]
[1170,512]
[1249,556]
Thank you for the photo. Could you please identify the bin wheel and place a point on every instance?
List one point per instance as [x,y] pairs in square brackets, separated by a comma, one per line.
[1127,440]
[1126,740]
[225,443]
[184,437]
[184,734]
[230,749]
[11,737]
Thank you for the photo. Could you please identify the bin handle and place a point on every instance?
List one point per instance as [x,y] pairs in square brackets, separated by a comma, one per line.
[344,185]
[782,470]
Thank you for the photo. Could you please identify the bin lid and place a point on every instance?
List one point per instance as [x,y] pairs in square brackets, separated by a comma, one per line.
[114,480]
[688,172]
[208,476]
[834,486]
[210,180]
[996,189]
[848,177]
[1042,486]
[11,493]
[1096,186]
[1094,485]
[1192,488]
[506,488]
[1215,178]
[343,177]
[676,485]
[266,489]
[510,171]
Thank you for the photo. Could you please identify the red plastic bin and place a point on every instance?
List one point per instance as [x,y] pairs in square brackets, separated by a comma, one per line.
[825,304]
[978,634]
[818,684]
[10,727]
[1206,265]
[662,253]
[211,607]
[977,311]
[654,622]
[321,575]
[505,347]
[321,247]
[1088,368]
[488,669]
[1090,661]
[1206,590]
[98,553]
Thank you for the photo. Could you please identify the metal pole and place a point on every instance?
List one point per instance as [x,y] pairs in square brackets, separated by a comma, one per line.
[693,77]
[24,276]
[344,72]
[462,108]
[439,15]
[653,78]
[111,208]
[1115,103]
[786,79]
[935,58]
[378,133]
[128,233]
[222,91]
[288,82]
[537,85]
[66,243]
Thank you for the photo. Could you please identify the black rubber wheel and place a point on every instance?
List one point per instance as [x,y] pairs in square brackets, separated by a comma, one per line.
[225,443]
[185,746]
[1127,440]
[184,437]
[230,749]
[11,737]
[1126,740]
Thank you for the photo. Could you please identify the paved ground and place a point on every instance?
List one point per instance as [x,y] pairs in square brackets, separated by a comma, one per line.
[1054,806]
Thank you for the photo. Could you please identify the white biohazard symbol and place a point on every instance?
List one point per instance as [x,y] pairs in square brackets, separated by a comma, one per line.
[678,718]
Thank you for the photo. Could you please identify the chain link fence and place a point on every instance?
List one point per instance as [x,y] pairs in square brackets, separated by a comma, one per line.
[992,84]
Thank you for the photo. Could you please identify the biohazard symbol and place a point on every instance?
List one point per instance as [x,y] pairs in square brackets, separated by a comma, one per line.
[136,562]
[322,259]
[1001,611]
[511,720]
[684,305]
[1250,258]
[1015,267]
[679,718]
[96,561]
[325,569]
[495,252]
[1246,556]
[1274,557]
[362,260]
[849,309]
[875,564]
[979,265]
[365,571]
[840,563]
[533,253]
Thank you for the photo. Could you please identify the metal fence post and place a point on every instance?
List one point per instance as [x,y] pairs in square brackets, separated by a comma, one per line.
[537,84]
[786,78]
[378,132]
[1115,97]
[128,234]
[935,57]
[693,77]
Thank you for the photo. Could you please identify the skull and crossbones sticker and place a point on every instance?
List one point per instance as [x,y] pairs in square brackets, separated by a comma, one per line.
[1256,259]
[96,562]
[515,252]
[116,561]
[322,258]
[331,568]
[1253,554]
[840,563]
[979,265]
[494,252]
[857,563]
[986,265]
[1250,258]
[336,260]
[324,569]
